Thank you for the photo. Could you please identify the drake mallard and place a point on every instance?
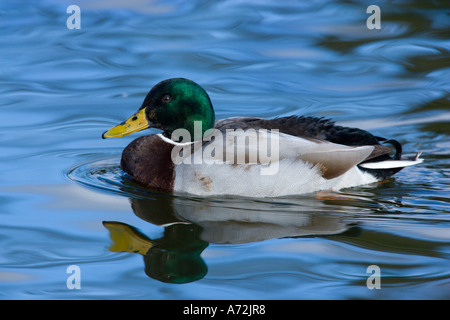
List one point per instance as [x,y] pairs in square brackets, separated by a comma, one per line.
[307,154]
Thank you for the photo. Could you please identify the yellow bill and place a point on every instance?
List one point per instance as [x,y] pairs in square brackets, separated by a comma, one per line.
[136,122]
[126,238]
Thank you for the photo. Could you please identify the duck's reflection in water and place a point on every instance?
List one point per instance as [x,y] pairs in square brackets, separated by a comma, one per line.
[174,258]
[191,224]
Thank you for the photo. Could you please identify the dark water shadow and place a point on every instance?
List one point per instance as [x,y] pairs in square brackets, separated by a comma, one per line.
[191,225]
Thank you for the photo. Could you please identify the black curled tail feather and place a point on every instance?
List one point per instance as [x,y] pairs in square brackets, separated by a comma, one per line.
[395,144]
[383,174]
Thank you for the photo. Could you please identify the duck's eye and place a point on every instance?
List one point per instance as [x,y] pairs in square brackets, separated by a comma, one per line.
[166,98]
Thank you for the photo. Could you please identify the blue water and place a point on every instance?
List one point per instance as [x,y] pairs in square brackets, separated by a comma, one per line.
[61,185]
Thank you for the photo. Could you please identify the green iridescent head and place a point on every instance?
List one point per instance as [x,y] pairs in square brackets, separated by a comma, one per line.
[171,104]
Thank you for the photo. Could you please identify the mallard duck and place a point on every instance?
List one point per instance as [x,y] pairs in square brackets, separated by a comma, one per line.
[283,156]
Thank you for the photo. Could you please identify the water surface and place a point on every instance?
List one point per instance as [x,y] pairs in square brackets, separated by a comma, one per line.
[64,200]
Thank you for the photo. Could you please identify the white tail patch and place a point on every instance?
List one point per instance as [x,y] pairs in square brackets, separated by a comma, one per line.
[390,164]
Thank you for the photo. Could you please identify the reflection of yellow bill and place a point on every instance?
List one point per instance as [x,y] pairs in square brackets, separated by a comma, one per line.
[136,122]
[126,238]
